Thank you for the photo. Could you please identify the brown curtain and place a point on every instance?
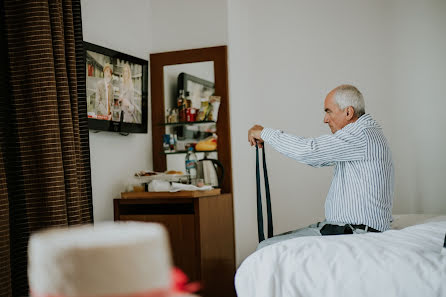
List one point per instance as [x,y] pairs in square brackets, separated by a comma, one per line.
[44,157]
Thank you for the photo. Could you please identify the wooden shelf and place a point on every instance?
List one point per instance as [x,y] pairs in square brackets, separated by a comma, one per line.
[188,123]
[185,152]
[180,194]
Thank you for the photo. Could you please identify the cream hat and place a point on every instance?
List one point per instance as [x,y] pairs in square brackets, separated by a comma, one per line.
[104,260]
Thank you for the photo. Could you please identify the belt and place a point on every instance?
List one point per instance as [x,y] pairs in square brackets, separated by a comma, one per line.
[329,229]
[364,227]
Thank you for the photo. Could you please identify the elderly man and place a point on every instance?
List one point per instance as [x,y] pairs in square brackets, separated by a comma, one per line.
[361,192]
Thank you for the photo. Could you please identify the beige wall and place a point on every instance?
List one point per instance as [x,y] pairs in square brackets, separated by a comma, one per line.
[419,104]
[285,58]
[123,26]
[179,24]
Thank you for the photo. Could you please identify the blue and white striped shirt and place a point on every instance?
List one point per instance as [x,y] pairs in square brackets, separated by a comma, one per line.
[361,191]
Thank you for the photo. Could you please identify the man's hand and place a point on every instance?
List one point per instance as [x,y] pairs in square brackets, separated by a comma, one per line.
[254,135]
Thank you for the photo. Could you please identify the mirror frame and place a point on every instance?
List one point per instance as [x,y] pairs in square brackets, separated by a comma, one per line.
[157,61]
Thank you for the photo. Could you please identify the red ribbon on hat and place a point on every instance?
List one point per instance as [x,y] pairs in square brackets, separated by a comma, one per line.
[180,282]
[179,285]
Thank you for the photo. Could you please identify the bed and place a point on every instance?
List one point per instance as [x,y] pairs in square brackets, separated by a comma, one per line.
[404,261]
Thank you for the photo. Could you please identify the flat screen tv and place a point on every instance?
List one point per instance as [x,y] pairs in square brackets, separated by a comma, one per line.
[116,90]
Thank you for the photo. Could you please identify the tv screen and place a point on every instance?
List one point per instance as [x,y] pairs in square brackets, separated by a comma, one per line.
[116,90]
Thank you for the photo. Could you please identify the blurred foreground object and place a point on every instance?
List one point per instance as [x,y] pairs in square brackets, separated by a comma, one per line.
[125,259]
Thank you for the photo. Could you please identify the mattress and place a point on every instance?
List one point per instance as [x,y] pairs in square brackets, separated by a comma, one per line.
[406,262]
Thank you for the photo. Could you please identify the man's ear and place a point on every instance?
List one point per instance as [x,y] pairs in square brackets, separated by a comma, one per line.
[350,113]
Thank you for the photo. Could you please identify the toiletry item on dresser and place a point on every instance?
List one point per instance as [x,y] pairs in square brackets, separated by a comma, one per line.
[174,116]
[166,142]
[191,114]
[204,110]
[214,101]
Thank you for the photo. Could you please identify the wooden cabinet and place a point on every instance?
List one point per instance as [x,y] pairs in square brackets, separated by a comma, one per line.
[201,231]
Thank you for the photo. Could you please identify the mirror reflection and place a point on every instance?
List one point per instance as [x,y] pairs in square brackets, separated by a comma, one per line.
[191,113]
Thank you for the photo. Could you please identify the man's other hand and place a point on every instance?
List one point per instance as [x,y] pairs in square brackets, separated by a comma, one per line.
[254,135]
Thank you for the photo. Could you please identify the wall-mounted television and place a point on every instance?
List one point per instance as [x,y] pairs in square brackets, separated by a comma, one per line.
[116,90]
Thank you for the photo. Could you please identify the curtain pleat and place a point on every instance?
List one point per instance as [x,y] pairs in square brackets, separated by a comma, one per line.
[5,262]
[45,147]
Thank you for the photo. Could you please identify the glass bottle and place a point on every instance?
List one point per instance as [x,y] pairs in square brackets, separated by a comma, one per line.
[172,143]
[188,100]
[181,102]
[168,115]
[180,99]
[191,164]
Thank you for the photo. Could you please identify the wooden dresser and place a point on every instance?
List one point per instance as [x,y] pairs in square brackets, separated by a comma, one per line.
[201,231]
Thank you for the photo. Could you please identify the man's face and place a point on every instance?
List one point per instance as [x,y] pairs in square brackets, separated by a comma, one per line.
[335,117]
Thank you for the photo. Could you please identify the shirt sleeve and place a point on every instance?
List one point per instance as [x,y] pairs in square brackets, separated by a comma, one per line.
[321,151]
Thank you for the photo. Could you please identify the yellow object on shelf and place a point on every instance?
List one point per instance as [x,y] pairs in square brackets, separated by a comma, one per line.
[138,188]
[208,144]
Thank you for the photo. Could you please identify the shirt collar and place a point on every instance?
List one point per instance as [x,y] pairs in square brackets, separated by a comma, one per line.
[365,120]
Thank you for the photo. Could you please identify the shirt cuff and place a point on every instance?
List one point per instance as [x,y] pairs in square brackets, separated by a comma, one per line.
[267,134]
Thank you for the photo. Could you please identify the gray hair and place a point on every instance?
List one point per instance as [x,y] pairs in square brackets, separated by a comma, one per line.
[348,95]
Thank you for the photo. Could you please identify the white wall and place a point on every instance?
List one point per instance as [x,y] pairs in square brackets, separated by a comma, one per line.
[419,128]
[283,61]
[123,26]
[179,24]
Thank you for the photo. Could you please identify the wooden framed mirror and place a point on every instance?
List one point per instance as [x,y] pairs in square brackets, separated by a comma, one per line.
[173,61]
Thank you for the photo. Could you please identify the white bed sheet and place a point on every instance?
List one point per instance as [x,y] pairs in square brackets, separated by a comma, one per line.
[405,262]
[401,221]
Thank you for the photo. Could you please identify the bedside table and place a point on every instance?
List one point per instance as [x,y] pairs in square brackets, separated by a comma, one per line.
[201,232]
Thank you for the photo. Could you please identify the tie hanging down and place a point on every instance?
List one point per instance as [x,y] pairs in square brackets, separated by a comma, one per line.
[259,198]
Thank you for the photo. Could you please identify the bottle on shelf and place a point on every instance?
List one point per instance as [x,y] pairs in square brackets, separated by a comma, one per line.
[168,115]
[181,104]
[172,143]
[191,114]
[191,164]
[204,110]
[166,142]
[180,99]
[188,100]
[174,116]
